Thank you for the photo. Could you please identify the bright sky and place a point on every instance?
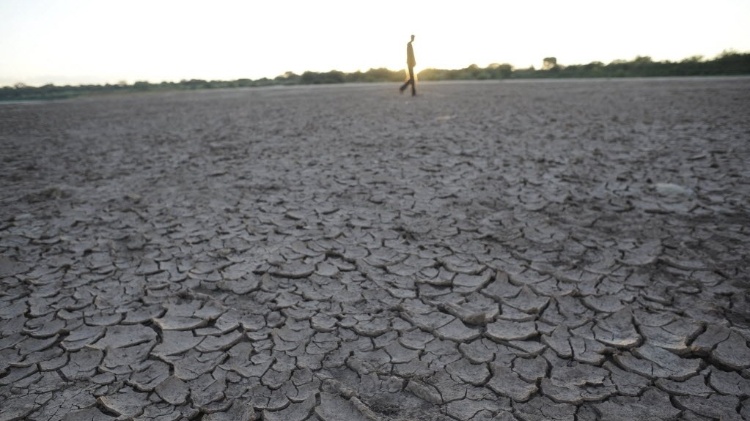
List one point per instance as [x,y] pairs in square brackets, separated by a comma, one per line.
[106,41]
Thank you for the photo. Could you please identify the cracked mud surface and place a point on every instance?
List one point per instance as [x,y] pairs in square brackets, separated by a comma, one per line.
[568,250]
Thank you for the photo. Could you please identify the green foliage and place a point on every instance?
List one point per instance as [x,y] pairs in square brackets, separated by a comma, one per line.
[473,72]
[727,63]
[375,75]
[288,78]
[314,78]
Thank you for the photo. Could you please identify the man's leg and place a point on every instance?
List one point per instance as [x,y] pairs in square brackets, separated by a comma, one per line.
[411,77]
[412,81]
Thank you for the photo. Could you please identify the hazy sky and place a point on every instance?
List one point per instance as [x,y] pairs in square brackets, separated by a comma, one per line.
[100,41]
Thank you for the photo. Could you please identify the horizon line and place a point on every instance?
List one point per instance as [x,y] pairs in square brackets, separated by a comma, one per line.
[696,57]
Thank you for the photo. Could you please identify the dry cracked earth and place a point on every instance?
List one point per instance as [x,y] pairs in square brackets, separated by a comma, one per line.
[551,250]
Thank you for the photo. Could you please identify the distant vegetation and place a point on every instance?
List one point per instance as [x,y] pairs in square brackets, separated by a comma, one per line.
[728,63]
[724,65]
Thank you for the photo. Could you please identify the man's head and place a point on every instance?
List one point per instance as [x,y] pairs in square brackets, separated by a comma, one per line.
[412,37]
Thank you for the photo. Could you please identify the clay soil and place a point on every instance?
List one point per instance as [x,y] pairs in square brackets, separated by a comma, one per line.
[516,250]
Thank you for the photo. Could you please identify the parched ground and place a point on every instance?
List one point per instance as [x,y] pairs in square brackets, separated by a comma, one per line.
[534,250]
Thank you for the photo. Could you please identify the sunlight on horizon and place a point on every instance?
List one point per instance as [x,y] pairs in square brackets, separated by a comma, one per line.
[88,41]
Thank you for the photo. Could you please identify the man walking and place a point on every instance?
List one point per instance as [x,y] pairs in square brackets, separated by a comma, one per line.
[411,62]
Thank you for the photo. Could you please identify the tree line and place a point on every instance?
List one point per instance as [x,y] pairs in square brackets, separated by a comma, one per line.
[728,63]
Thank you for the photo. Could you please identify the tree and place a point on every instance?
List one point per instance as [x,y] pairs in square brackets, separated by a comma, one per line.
[500,71]
[314,78]
[693,59]
[288,78]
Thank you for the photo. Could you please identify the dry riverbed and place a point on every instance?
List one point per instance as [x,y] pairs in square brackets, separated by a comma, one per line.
[526,250]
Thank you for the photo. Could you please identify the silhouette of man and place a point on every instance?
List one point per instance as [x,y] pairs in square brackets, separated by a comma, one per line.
[410,62]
